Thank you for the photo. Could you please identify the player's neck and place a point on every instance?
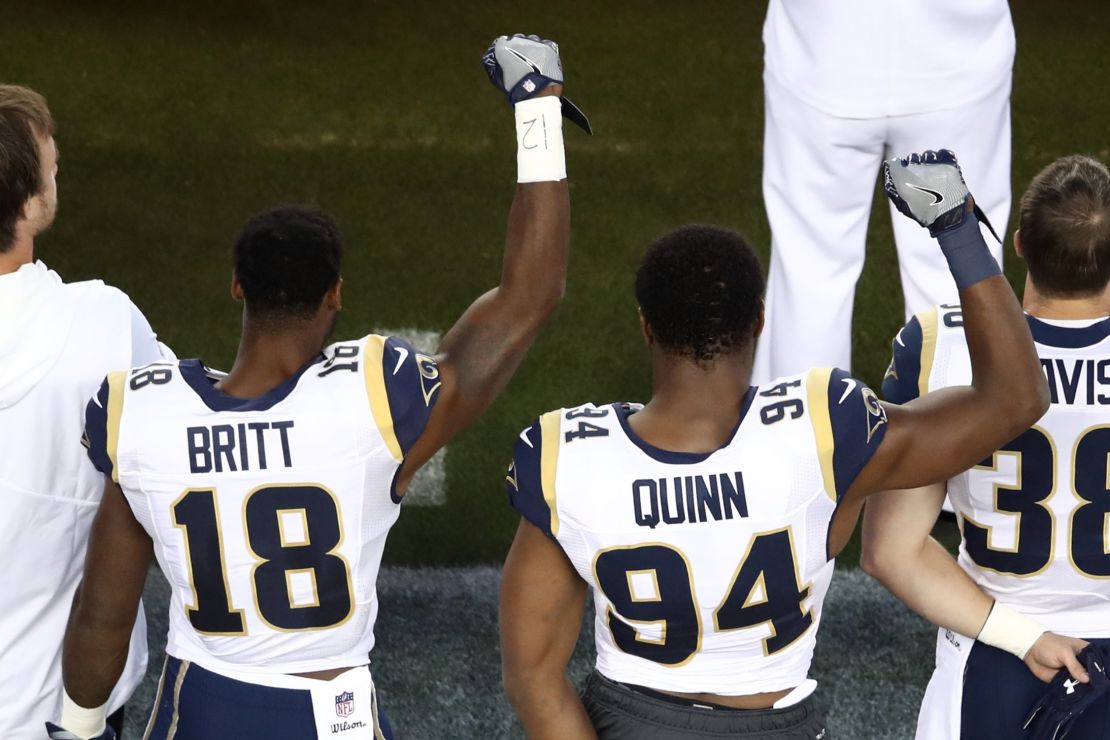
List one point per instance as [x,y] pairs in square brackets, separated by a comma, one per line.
[693,408]
[267,359]
[1044,307]
[22,253]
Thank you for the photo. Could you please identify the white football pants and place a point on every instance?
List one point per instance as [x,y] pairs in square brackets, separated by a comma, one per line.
[819,175]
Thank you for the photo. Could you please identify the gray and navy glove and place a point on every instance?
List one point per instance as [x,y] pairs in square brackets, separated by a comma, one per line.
[1065,698]
[520,66]
[60,733]
[929,188]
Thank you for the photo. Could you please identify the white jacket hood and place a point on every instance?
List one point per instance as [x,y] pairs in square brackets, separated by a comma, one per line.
[36,316]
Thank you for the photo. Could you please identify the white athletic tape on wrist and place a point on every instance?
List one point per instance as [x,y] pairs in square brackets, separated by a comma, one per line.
[81,721]
[1010,630]
[539,140]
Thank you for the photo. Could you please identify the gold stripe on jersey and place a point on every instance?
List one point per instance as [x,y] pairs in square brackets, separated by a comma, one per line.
[157,700]
[115,413]
[550,427]
[928,321]
[379,399]
[184,668]
[817,395]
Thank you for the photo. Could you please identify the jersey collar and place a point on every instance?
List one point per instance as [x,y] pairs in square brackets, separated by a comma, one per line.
[203,382]
[678,458]
[1068,337]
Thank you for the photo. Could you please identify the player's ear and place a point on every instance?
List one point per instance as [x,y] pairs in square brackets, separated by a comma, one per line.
[334,297]
[759,320]
[1017,243]
[645,328]
[236,288]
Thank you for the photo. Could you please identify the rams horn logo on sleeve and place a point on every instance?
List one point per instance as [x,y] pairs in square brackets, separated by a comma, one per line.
[876,414]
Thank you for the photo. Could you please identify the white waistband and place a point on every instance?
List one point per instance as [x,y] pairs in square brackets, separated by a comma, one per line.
[284,680]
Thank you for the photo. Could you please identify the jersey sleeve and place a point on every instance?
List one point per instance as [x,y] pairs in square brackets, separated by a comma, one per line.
[911,351]
[530,480]
[849,424]
[403,385]
[102,419]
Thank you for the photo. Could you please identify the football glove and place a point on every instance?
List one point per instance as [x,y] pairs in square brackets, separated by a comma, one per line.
[520,66]
[1053,716]
[929,188]
[60,733]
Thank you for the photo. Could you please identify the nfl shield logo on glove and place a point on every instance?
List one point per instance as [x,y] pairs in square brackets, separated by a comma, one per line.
[345,704]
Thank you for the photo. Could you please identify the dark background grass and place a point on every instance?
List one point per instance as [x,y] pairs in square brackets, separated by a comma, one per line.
[178,120]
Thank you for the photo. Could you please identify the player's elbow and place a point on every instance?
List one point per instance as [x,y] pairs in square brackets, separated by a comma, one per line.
[878,559]
[1027,408]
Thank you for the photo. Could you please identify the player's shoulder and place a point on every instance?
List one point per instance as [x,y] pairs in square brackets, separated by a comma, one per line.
[848,424]
[402,384]
[538,449]
[99,296]
[914,351]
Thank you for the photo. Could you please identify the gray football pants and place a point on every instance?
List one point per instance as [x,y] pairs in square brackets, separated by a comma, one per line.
[621,713]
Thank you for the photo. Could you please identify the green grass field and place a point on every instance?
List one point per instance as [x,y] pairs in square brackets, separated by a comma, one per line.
[178,120]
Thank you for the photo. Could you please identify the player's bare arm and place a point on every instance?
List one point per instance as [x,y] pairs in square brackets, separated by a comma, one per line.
[899,552]
[542,600]
[944,433]
[480,353]
[104,608]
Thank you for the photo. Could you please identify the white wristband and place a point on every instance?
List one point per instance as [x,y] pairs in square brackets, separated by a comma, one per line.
[539,140]
[83,722]
[1010,630]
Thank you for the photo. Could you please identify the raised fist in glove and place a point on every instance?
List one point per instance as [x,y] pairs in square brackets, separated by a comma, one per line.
[521,66]
[929,188]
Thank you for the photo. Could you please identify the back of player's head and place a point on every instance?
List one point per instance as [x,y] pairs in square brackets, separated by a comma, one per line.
[1065,228]
[286,260]
[24,120]
[700,289]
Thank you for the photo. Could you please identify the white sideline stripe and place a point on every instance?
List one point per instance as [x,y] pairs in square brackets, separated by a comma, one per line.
[429,485]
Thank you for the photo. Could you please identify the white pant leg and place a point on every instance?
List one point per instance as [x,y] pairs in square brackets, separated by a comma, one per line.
[979,134]
[818,180]
[939,718]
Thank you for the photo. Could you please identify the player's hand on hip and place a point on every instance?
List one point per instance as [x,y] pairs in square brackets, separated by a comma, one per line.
[524,67]
[1051,652]
[929,188]
[60,733]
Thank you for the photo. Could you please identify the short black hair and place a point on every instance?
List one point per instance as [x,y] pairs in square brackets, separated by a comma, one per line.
[701,290]
[1065,228]
[286,260]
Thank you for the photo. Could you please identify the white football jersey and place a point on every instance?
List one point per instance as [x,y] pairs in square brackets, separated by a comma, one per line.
[269,515]
[708,570]
[1035,516]
[57,341]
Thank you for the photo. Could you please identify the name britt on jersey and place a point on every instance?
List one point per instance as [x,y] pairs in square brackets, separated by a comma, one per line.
[229,448]
[690,498]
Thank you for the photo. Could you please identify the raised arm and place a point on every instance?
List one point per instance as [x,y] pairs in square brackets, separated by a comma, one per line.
[103,615]
[934,437]
[480,353]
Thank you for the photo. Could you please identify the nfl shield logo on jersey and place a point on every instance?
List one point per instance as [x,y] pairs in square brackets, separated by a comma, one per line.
[345,704]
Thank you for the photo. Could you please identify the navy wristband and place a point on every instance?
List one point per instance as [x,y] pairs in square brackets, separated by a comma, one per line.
[966,251]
